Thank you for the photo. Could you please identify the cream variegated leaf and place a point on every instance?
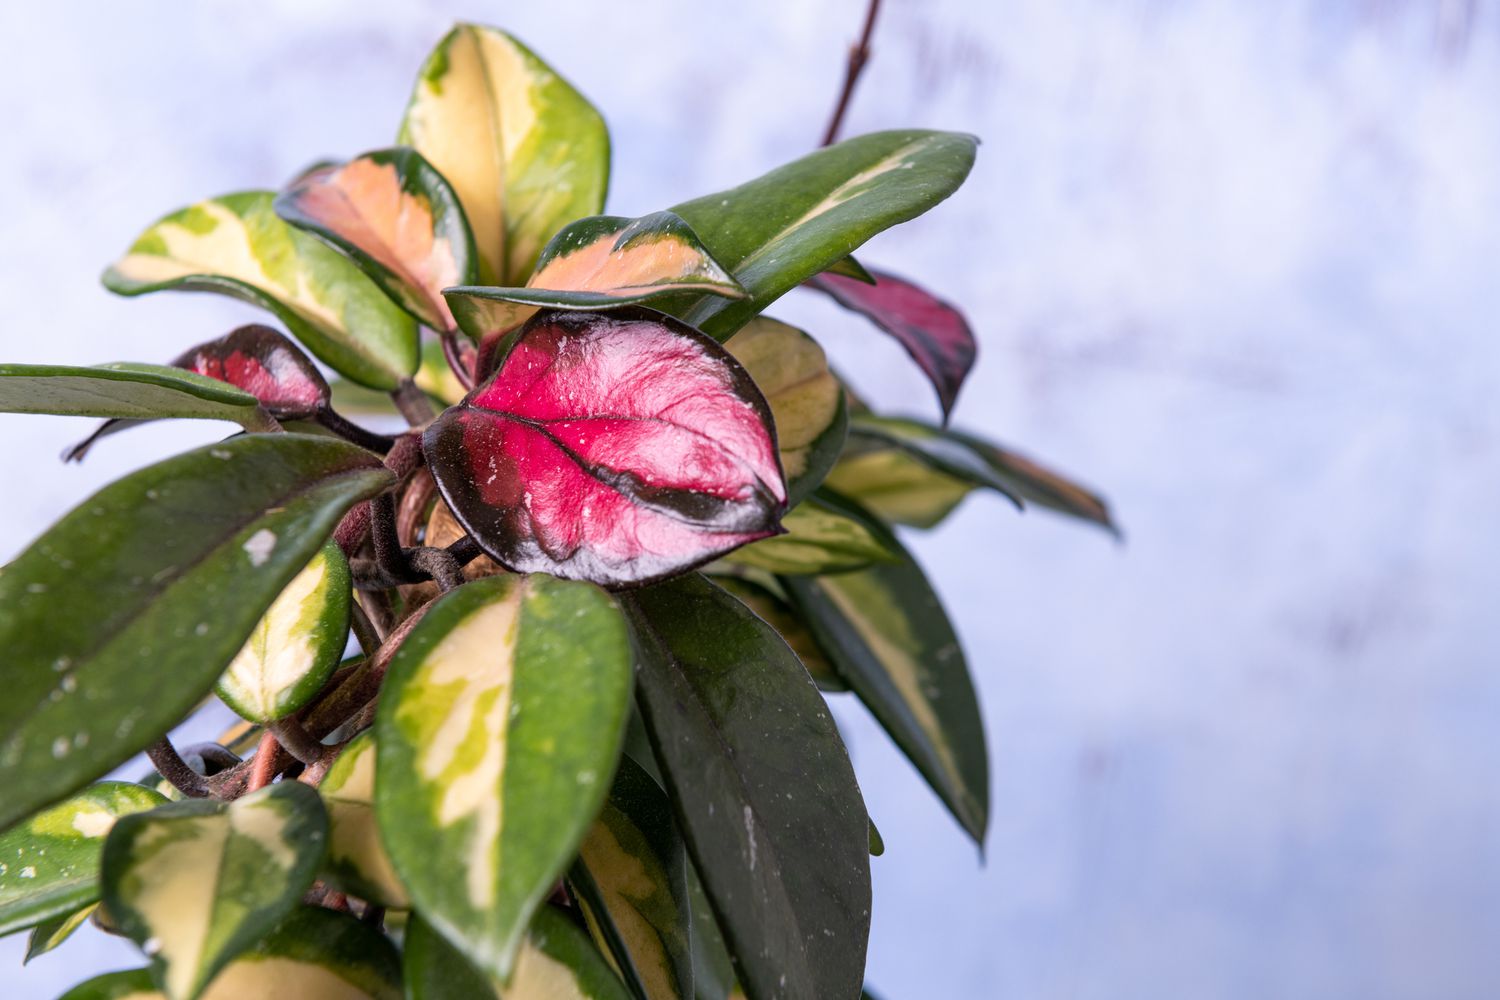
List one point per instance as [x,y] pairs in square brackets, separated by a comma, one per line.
[49,865]
[356,857]
[197,882]
[236,245]
[499,724]
[526,152]
[806,399]
[314,954]
[823,535]
[297,644]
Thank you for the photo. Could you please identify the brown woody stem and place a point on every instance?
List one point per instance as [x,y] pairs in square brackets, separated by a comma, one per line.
[290,734]
[170,765]
[859,55]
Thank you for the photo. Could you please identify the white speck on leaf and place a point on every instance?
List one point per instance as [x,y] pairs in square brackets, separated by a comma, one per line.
[60,747]
[260,545]
[221,453]
[750,833]
[27,872]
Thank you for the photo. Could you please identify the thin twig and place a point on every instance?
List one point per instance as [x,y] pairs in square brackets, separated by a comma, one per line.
[170,765]
[364,629]
[460,355]
[388,554]
[350,431]
[465,550]
[439,564]
[263,765]
[859,55]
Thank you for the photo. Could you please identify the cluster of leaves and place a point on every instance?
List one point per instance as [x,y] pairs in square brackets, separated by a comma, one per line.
[581,747]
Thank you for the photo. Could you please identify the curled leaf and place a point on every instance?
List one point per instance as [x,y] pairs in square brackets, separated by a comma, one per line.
[600,263]
[618,448]
[397,218]
[934,333]
[267,365]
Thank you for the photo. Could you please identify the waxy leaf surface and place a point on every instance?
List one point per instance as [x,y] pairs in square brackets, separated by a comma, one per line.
[806,400]
[599,263]
[314,954]
[124,390]
[295,646]
[162,574]
[781,229]
[617,448]
[499,725]
[763,594]
[356,857]
[396,217]
[49,865]
[896,486]
[237,246]
[934,333]
[556,961]
[823,536]
[267,365]
[526,152]
[762,787]
[887,634]
[195,883]
[632,876]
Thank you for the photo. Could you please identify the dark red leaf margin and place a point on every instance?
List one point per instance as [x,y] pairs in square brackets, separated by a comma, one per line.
[933,332]
[619,447]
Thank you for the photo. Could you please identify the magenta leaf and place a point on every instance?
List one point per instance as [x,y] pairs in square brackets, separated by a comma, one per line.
[933,332]
[618,447]
[265,364]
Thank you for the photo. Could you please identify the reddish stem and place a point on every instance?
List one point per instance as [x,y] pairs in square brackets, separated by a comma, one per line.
[859,55]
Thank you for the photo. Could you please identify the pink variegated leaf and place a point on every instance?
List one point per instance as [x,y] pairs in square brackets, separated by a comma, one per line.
[267,365]
[934,333]
[618,447]
[255,358]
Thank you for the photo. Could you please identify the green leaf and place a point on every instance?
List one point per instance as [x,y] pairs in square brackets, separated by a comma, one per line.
[824,535]
[434,377]
[499,725]
[162,574]
[196,883]
[848,267]
[526,152]
[52,932]
[632,877]
[780,229]
[762,593]
[356,857]
[237,246]
[897,486]
[964,458]
[807,402]
[314,953]
[886,633]
[126,391]
[762,787]
[556,960]
[49,865]
[600,262]
[398,219]
[295,646]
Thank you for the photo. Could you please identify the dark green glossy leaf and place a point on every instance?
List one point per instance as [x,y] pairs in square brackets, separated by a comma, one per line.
[763,594]
[49,865]
[762,787]
[632,876]
[848,267]
[127,391]
[556,960]
[499,725]
[195,883]
[398,219]
[160,575]
[778,230]
[886,633]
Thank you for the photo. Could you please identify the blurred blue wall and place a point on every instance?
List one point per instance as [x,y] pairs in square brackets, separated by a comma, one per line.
[1237,264]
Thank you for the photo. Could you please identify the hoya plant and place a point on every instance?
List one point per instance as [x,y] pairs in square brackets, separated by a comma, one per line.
[534,692]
